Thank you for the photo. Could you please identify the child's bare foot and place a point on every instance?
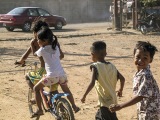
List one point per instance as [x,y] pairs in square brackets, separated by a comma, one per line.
[32,101]
[76,109]
[37,113]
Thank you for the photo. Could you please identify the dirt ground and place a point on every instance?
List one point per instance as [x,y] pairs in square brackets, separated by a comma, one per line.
[75,42]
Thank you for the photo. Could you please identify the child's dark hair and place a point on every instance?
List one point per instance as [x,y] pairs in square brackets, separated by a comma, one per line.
[46,34]
[98,45]
[146,46]
[36,26]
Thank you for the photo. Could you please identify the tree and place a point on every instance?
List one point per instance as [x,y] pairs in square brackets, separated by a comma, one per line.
[150,3]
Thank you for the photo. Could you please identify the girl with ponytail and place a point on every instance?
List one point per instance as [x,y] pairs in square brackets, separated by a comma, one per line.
[49,50]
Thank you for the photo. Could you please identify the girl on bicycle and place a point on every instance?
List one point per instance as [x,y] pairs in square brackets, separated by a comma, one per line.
[32,77]
[50,53]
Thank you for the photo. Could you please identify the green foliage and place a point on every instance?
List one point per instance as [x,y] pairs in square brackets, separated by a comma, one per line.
[150,3]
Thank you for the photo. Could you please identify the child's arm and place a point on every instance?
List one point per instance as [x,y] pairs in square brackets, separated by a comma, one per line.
[25,56]
[33,48]
[61,53]
[133,101]
[91,85]
[122,81]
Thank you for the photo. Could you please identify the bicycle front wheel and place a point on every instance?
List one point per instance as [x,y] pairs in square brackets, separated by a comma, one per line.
[64,110]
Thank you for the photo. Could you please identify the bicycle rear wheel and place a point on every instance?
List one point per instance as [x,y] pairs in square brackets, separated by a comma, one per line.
[32,106]
[64,110]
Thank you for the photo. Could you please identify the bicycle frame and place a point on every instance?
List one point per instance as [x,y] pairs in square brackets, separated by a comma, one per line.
[53,97]
[52,102]
[51,107]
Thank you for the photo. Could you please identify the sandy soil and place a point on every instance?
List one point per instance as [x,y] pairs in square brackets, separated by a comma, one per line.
[75,43]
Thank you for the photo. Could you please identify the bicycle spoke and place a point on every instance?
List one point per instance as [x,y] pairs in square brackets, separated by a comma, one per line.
[64,109]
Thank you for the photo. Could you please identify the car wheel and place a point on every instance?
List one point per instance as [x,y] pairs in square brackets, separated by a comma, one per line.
[58,25]
[26,27]
[10,28]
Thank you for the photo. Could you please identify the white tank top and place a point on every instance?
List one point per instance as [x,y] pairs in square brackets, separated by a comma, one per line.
[52,61]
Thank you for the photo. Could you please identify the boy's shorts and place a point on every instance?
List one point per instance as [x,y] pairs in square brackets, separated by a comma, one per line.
[35,77]
[104,113]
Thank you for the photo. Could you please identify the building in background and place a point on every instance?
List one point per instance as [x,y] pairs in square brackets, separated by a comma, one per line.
[75,11]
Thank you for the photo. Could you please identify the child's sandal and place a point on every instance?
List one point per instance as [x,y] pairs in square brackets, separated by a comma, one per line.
[32,101]
[36,114]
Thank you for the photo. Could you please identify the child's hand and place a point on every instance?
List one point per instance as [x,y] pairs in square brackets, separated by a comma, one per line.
[83,100]
[114,107]
[20,63]
[119,93]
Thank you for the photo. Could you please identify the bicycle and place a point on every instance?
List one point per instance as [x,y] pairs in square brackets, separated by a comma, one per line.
[52,102]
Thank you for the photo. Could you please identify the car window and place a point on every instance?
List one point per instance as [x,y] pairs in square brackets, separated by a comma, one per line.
[43,12]
[16,11]
[32,12]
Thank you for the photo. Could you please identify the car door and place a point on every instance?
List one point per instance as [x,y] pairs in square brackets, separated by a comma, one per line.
[32,14]
[47,16]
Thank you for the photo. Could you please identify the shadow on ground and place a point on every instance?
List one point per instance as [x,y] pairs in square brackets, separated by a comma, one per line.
[53,30]
[9,53]
[64,30]
[108,58]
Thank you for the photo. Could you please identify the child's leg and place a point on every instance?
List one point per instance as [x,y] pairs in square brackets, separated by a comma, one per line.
[70,97]
[30,84]
[45,81]
[32,78]
[63,83]
[38,98]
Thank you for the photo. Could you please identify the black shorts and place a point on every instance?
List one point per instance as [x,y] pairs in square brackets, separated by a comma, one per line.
[104,113]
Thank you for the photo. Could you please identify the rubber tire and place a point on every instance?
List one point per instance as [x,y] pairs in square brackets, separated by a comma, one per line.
[68,110]
[59,25]
[10,28]
[143,31]
[26,27]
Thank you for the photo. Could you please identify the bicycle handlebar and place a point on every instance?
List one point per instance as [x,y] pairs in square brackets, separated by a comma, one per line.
[24,64]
